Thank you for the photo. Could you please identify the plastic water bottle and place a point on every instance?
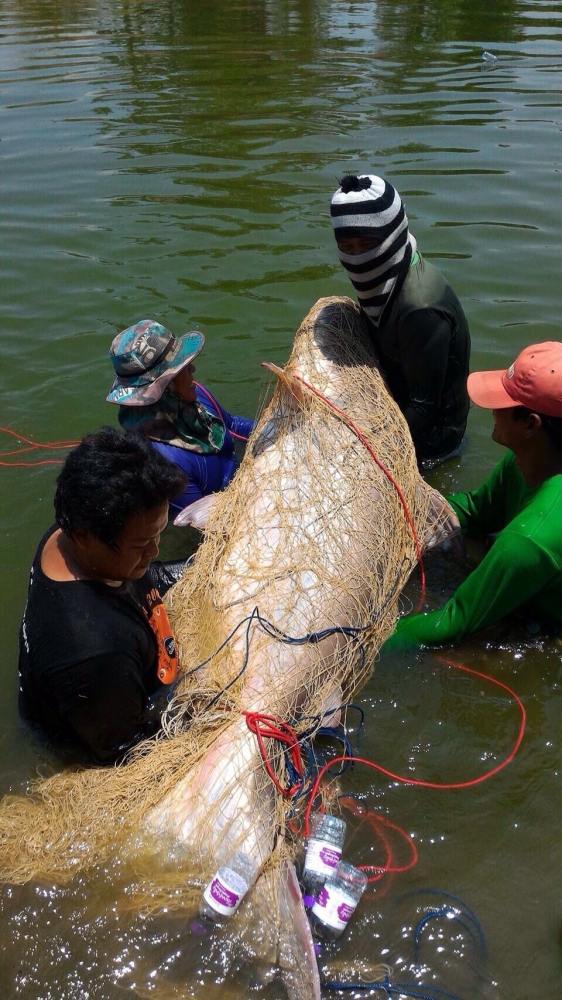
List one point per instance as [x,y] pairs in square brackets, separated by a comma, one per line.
[488,57]
[227,888]
[337,900]
[323,853]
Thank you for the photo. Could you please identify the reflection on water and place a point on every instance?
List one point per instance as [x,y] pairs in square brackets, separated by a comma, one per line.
[177,160]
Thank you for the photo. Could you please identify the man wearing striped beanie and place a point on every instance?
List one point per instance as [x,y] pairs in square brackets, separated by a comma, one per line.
[418,327]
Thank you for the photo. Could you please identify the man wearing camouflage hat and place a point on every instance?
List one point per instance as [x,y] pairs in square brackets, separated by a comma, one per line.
[157,395]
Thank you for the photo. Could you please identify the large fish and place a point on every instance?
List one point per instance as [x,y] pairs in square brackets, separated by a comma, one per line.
[317,536]
[290,595]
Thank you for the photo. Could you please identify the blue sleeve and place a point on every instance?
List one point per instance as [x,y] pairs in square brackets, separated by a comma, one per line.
[193,466]
[240,426]
[190,494]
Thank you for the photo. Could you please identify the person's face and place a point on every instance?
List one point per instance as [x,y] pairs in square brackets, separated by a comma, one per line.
[183,385]
[135,548]
[354,245]
[510,429]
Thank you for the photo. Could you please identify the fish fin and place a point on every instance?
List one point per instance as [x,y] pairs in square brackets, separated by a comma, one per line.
[289,381]
[441,526]
[277,936]
[297,958]
[198,513]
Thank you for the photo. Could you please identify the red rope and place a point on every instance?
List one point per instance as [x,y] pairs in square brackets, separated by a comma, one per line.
[270,728]
[32,446]
[419,782]
[377,822]
[27,465]
[36,444]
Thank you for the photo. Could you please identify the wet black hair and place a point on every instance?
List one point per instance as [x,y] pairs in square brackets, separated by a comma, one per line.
[111,475]
[353,183]
[552,426]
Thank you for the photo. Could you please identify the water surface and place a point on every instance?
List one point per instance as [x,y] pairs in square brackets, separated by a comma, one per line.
[176,160]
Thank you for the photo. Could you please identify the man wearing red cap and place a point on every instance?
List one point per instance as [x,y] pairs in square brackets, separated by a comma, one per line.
[520,503]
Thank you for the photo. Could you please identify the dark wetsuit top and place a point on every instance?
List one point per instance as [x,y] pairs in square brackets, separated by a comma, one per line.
[89,656]
[423,346]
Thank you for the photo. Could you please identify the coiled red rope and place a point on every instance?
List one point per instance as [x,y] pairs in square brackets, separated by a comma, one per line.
[269,727]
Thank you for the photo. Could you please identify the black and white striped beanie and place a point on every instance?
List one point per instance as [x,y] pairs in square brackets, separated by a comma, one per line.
[370,206]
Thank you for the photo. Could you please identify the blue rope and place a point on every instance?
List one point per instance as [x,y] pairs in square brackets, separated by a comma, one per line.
[314,762]
[461,913]
[443,911]
[477,932]
[420,992]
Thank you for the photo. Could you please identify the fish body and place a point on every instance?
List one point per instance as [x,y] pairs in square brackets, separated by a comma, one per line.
[312,539]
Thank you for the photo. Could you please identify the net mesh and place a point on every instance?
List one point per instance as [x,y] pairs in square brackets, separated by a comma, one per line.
[289,597]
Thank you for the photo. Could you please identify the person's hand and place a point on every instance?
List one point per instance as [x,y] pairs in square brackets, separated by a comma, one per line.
[445,530]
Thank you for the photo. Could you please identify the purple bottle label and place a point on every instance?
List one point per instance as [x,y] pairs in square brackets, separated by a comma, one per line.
[321,858]
[330,857]
[333,907]
[344,912]
[221,894]
[322,897]
[221,898]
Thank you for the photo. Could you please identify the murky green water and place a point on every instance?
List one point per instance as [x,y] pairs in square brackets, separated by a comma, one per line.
[176,160]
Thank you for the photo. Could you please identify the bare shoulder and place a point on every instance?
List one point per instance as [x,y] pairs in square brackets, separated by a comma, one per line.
[53,563]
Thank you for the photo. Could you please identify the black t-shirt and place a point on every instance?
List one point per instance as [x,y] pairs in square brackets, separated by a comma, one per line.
[91,655]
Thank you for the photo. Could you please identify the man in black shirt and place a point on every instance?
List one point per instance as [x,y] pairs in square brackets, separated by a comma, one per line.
[96,644]
[419,330]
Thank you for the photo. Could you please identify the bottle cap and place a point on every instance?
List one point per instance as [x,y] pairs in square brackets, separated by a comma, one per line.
[352,875]
[325,821]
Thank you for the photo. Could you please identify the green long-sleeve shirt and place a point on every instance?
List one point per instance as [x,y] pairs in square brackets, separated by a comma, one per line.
[523,566]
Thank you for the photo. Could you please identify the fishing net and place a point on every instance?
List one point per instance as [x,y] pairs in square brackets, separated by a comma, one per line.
[289,597]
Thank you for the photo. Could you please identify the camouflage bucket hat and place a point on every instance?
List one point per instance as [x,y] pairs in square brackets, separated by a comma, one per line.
[146,357]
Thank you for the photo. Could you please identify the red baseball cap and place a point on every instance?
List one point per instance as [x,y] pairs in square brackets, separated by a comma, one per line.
[533,380]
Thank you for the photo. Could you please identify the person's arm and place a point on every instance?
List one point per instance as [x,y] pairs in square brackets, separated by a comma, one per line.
[510,574]
[424,340]
[164,574]
[103,704]
[240,427]
[482,511]
[189,495]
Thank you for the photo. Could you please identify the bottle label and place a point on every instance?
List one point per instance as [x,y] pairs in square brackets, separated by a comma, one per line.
[322,858]
[221,897]
[334,907]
